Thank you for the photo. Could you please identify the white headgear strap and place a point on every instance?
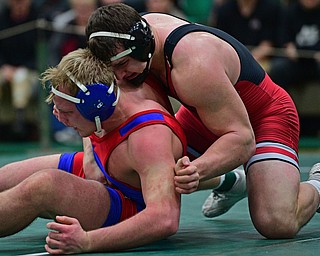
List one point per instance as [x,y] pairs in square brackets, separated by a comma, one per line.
[116,35]
[85,90]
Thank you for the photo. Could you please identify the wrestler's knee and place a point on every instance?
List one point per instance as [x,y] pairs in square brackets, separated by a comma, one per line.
[38,186]
[275,225]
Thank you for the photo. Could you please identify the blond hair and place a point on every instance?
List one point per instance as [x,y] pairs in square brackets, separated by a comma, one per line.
[83,66]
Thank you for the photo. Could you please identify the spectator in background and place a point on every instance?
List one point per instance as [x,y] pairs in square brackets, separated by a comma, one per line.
[253,22]
[49,9]
[18,59]
[105,2]
[300,36]
[2,4]
[197,11]
[138,5]
[70,27]
[69,35]
[164,6]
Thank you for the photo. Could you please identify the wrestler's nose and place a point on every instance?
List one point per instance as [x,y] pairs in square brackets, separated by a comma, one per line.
[119,73]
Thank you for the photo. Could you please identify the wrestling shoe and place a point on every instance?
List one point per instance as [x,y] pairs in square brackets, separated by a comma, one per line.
[219,203]
[314,174]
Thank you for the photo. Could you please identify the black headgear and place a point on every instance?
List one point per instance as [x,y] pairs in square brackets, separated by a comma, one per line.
[139,42]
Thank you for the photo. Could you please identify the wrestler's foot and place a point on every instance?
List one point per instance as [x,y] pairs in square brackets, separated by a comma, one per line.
[219,203]
[314,174]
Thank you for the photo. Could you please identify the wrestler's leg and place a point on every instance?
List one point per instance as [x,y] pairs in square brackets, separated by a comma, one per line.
[279,204]
[49,193]
[13,173]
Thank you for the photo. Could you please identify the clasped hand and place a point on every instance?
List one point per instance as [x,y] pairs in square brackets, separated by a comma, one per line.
[67,237]
[187,177]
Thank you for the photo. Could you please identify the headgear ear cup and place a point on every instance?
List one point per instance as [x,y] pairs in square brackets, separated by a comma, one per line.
[143,43]
[97,101]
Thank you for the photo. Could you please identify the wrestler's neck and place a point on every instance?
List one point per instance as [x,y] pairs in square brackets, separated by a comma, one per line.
[157,62]
[131,102]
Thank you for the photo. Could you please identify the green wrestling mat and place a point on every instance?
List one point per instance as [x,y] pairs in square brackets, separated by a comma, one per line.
[230,234]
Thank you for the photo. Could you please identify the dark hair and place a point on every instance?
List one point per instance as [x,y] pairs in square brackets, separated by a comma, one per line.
[118,18]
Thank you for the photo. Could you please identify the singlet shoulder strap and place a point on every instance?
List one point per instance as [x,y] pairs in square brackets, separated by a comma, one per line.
[250,69]
[140,121]
[150,117]
[175,36]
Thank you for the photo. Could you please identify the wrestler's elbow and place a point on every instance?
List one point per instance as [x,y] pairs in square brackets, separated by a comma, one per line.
[170,228]
[249,146]
[168,224]
[251,149]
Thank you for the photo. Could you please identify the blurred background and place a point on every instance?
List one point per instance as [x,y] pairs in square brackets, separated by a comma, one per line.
[284,36]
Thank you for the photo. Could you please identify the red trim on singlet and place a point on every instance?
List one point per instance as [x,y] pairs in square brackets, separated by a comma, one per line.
[106,144]
[129,207]
[114,137]
[268,149]
[77,168]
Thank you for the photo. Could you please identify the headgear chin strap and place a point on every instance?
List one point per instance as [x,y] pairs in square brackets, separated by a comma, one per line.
[142,76]
[95,102]
[140,41]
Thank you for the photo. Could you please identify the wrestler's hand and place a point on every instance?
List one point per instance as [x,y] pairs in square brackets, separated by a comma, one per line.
[67,237]
[187,177]
[90,167]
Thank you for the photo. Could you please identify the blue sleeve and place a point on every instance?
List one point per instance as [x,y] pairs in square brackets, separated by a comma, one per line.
[66,162]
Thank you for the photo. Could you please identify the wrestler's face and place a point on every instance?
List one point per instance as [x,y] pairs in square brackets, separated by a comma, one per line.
[68,114]
[127,68]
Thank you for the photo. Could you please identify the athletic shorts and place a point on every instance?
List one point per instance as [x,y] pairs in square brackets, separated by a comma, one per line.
[121,207]
[273,117]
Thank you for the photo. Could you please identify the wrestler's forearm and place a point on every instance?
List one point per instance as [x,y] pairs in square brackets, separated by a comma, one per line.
[225,154]
[146,227]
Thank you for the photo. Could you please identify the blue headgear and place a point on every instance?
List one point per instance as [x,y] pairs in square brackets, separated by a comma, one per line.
[95,102]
